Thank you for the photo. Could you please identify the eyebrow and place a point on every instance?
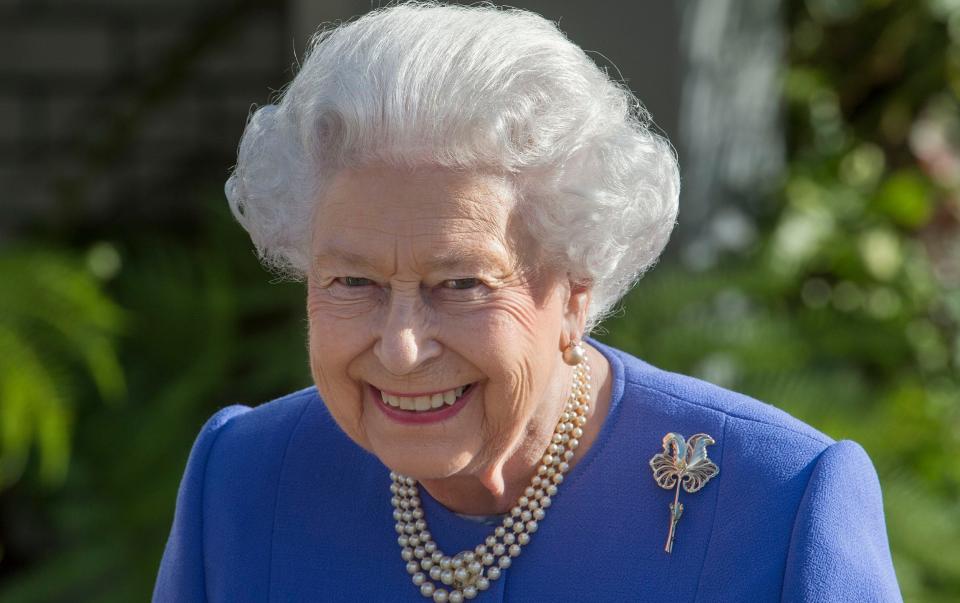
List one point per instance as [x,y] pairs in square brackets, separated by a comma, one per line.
[443,261]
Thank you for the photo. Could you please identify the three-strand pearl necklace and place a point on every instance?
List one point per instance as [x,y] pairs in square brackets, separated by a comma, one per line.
[469,572]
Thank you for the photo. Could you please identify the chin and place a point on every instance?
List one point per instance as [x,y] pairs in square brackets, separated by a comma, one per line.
[411,464]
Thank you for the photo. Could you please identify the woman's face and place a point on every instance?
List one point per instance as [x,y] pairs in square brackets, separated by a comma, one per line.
[418,298]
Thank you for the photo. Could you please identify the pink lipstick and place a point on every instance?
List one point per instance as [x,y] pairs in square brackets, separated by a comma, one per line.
[425,416]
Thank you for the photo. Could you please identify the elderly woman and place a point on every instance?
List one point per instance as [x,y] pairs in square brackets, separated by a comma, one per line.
[466,196]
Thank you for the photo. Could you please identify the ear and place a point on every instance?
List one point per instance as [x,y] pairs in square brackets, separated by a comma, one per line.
[575,312]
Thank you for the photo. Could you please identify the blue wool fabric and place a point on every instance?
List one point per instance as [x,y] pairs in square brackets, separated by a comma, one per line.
[278,504]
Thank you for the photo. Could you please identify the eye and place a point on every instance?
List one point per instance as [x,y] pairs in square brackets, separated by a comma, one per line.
[461,283]
[354,281]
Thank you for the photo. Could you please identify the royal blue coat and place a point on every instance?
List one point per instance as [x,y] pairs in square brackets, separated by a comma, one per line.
[277,504]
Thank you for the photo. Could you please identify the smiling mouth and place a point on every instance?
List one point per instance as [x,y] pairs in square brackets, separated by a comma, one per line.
[427,402]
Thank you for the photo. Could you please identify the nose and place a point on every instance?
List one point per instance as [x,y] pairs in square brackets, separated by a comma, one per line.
[406,342]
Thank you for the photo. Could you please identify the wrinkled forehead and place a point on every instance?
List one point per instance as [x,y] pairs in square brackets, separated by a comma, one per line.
[421,191]
[445,216]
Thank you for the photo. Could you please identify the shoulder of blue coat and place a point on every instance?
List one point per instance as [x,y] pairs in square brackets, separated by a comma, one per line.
[246,460]
[847,457]
[239,435]
[700,396]
[259,425]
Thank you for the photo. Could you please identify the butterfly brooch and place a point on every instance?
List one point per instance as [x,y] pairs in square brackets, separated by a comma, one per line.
[682,462]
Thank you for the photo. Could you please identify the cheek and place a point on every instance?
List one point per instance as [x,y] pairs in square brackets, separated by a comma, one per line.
[520,326]
[516,339]
[337,326]
[512,316]
[333,347]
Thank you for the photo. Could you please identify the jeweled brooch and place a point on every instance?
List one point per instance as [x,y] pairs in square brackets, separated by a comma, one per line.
[682,462]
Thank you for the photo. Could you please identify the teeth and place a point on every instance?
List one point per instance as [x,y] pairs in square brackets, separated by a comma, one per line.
[422,403]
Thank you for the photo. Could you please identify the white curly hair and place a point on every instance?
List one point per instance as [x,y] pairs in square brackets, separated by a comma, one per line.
[466,87]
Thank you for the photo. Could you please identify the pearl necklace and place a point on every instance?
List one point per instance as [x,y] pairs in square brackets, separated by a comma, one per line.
[470,572]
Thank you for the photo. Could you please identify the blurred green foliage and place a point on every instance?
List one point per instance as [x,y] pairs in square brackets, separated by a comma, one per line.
[205,328]
[55,320]
[844,312]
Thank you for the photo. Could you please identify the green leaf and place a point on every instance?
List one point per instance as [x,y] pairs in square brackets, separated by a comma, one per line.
[906,198]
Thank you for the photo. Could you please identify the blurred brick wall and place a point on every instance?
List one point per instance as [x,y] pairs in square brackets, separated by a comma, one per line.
[116,109]
[113,111]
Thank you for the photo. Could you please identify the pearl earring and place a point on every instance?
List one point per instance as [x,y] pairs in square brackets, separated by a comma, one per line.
[574,353]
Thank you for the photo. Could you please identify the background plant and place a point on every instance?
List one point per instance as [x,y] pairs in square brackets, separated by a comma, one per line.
[843,310]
